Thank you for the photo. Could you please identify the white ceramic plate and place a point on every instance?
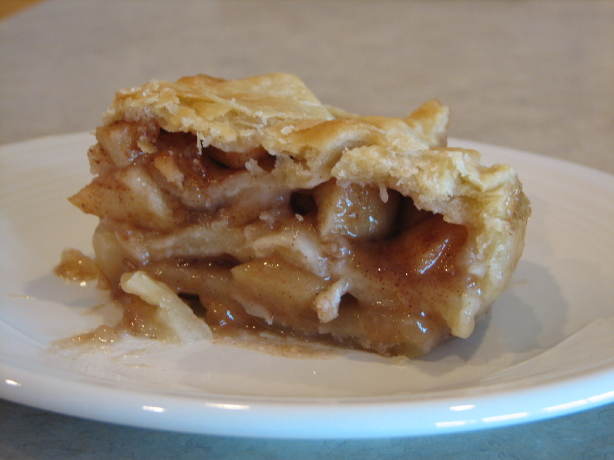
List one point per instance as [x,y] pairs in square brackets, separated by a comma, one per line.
[546,349]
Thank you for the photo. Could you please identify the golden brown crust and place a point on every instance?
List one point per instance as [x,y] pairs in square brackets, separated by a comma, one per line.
[313,143]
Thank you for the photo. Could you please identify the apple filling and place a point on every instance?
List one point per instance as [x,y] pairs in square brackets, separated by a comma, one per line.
[344,262]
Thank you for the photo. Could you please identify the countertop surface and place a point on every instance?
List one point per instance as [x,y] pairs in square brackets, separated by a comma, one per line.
[531,75]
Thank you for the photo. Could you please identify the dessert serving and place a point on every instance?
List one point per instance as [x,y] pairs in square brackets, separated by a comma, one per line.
[248,205]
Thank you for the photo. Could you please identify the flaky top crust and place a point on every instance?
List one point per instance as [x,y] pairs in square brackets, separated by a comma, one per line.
[313,143]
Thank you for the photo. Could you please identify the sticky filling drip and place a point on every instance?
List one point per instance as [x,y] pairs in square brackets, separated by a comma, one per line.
[354,264]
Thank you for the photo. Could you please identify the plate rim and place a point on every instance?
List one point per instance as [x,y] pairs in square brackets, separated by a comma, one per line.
[221,415]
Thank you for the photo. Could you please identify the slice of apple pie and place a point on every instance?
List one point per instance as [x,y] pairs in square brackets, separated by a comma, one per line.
[268,210]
